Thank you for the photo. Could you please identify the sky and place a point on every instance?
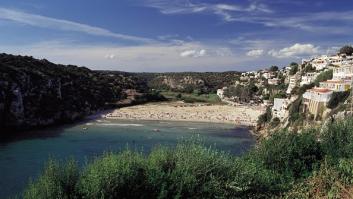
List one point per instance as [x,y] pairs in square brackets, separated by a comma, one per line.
[175,35]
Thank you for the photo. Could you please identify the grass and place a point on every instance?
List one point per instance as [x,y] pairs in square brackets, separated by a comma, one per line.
[313,164]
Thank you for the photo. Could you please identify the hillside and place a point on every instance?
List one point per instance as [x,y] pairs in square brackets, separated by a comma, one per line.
[35,93]
[188,82]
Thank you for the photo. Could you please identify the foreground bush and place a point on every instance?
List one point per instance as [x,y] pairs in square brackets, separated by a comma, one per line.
[289,165]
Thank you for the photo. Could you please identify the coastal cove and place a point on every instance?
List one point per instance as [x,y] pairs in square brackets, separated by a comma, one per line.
[24,158]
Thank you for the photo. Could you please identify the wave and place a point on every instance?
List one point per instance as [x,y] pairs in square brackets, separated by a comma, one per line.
[102,121]
[116,124]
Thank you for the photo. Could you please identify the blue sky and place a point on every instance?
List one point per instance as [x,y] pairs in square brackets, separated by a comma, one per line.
[175,35]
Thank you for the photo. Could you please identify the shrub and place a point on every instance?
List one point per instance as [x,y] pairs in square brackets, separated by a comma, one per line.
[337,97]
[56,181]
[294,68]
[337,139]
[323,77]
[291,154]
[275,122]
[115,176]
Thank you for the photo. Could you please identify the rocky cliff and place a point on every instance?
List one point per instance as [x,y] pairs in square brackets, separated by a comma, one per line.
[36,93]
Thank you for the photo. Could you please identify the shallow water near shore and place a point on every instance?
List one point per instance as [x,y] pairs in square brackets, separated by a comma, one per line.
[23,157]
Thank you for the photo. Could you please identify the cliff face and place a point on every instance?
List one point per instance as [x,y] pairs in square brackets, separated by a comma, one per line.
[37,93]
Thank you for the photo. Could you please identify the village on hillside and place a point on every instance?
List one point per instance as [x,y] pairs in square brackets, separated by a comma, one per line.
[299,94]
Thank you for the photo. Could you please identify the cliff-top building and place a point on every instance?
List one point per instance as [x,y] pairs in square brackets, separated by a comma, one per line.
[336,85]
[316,99]
[308,78]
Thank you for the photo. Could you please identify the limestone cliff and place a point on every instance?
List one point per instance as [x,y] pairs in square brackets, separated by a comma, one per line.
[36,93]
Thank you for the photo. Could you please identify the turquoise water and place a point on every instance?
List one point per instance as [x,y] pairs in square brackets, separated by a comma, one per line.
[23,157]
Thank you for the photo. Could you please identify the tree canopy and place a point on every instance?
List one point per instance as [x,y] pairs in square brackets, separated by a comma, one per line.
[274,68]
[348,50]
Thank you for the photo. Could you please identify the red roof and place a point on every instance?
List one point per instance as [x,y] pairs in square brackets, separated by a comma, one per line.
[320,90]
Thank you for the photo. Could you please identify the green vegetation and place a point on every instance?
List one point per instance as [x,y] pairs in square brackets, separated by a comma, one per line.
[314,163]
[348,50]
[35,93]
[295,116]
[189,82]
[294,68]
[192,98]
[323,77]
[265,117]
[337,98]
[273,68]
[244,93]
[309,68]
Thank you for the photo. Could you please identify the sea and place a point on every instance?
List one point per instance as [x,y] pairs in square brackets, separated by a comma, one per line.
[22,157]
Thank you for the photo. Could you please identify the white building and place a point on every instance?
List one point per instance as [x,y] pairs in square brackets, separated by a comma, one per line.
[336,85]
[344,72]
[273,81]
[340,60]
[220,92]
[321,62]
[308,78]
[279,108]
[316,99]
[266,75]
[293,81]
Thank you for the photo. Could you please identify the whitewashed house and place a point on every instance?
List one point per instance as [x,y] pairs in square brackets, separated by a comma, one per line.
[344,72]
[316,99]
[220,92]
[279,108]
[336,85]
[320,62]
[308,78]
[266,75]
[273,81]
[293,82]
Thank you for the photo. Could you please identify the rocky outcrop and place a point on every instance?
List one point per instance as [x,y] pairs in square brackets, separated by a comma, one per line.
[36,93]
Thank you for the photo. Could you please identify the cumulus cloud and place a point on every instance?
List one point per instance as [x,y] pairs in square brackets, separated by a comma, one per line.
[295,51]
[255,53]
[193,53]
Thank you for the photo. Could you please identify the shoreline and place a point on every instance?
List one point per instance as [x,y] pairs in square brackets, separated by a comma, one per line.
[185,112]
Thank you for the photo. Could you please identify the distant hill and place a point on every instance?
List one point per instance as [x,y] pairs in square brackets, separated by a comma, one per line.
[36,93]
[190,81]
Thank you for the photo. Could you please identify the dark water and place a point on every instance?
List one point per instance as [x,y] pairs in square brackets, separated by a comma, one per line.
[24,157]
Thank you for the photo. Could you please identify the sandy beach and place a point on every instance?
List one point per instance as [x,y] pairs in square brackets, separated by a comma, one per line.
[179,111]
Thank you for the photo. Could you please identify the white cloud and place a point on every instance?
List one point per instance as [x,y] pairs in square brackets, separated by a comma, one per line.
[255,53]
[64,25]
[110,56]
[227,7]
[193,53]
[295,51]
[225,11]
[139,58]
[259,13]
